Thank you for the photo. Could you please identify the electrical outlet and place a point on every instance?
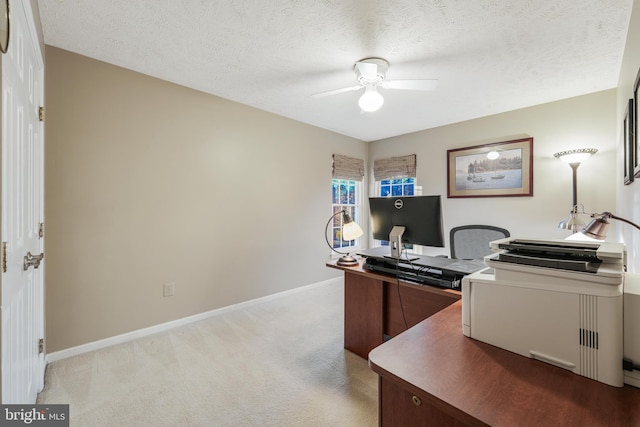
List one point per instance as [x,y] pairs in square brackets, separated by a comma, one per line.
[168,289]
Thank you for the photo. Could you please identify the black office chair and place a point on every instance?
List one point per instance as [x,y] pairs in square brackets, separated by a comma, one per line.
[472,241]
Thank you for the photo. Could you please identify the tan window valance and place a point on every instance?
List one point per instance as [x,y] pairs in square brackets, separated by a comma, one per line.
[395,167]
[345,167]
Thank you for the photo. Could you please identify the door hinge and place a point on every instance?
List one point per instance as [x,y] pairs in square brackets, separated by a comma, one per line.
[41,346]
[41,114]
[4,257]
[41,230]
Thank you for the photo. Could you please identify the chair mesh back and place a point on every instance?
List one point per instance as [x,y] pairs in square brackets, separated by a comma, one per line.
[472,242]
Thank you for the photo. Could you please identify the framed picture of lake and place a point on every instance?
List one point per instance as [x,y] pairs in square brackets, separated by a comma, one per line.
[500,169]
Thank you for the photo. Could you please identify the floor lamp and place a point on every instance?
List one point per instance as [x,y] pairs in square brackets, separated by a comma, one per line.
[574,158]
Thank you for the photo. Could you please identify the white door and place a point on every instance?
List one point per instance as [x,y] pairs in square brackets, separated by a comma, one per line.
[22,303]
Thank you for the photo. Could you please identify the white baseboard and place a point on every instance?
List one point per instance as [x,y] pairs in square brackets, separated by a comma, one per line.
[129,336]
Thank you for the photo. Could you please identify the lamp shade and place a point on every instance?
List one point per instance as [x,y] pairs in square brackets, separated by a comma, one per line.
[575,156]
[597,227]
[572,222]
[371,100]
[351,230]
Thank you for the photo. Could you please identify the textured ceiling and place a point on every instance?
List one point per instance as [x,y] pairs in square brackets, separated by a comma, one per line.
[489,56]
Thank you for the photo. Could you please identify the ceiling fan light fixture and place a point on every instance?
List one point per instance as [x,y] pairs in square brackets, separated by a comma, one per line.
[371,100]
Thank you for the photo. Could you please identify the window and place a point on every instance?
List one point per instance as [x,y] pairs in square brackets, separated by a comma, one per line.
[345,195]
[395,188]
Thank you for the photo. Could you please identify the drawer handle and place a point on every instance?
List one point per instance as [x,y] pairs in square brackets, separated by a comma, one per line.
[416,400]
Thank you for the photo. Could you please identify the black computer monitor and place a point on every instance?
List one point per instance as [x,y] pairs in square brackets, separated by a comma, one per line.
[407,220]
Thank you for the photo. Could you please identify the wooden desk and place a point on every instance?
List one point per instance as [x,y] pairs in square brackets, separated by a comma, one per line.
[434,375]
[373,307]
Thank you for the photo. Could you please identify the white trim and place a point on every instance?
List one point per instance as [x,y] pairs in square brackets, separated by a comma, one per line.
[33,33]
[129,336]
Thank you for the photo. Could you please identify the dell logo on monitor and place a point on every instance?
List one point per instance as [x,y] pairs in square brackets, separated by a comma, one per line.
[398,203]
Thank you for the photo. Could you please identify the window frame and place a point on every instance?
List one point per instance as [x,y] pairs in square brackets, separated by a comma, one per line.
[354,209]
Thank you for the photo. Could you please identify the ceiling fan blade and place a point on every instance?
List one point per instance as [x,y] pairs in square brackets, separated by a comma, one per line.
[368,70]
[427,84]
[336,91]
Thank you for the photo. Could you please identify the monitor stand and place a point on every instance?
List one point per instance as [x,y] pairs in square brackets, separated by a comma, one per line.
[395,241]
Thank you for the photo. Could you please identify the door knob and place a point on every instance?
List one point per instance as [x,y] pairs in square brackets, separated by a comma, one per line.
[32,260]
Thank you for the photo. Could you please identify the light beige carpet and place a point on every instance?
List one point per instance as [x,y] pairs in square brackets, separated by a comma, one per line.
[278,362]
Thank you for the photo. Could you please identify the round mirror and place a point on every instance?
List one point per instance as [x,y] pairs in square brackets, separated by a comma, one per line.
[4,25]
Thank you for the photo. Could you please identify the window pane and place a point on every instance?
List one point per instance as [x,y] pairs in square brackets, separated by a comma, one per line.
[336,237]
[352,213]
[396,190]
[408,189]
[385,191]
[344,190]
[344,197]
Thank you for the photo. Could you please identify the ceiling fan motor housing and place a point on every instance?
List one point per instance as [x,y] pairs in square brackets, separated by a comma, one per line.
[368,74]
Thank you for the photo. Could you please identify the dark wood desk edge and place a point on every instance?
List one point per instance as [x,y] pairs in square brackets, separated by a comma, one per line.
[380,305]
[445,407]
[359,270]
[598,403]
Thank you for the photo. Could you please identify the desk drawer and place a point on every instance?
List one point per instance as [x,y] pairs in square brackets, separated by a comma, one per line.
[401,407]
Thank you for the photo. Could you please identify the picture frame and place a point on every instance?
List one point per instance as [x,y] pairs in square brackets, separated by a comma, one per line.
[635,147]
[629,142]
[506,172]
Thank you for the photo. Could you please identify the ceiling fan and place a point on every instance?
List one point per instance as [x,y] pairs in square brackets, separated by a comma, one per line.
[370,74]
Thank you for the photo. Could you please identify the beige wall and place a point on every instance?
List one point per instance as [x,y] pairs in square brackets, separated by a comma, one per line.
[586,121]
[628,196]
[148,182]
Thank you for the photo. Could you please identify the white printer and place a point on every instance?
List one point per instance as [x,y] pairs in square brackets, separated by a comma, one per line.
[561,302]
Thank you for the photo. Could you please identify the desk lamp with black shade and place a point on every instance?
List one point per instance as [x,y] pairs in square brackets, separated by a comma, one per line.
[350,231]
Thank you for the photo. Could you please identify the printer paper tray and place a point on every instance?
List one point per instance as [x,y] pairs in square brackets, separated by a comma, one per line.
[607,274]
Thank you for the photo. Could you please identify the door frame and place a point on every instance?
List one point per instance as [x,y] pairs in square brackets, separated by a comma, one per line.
[31,33]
